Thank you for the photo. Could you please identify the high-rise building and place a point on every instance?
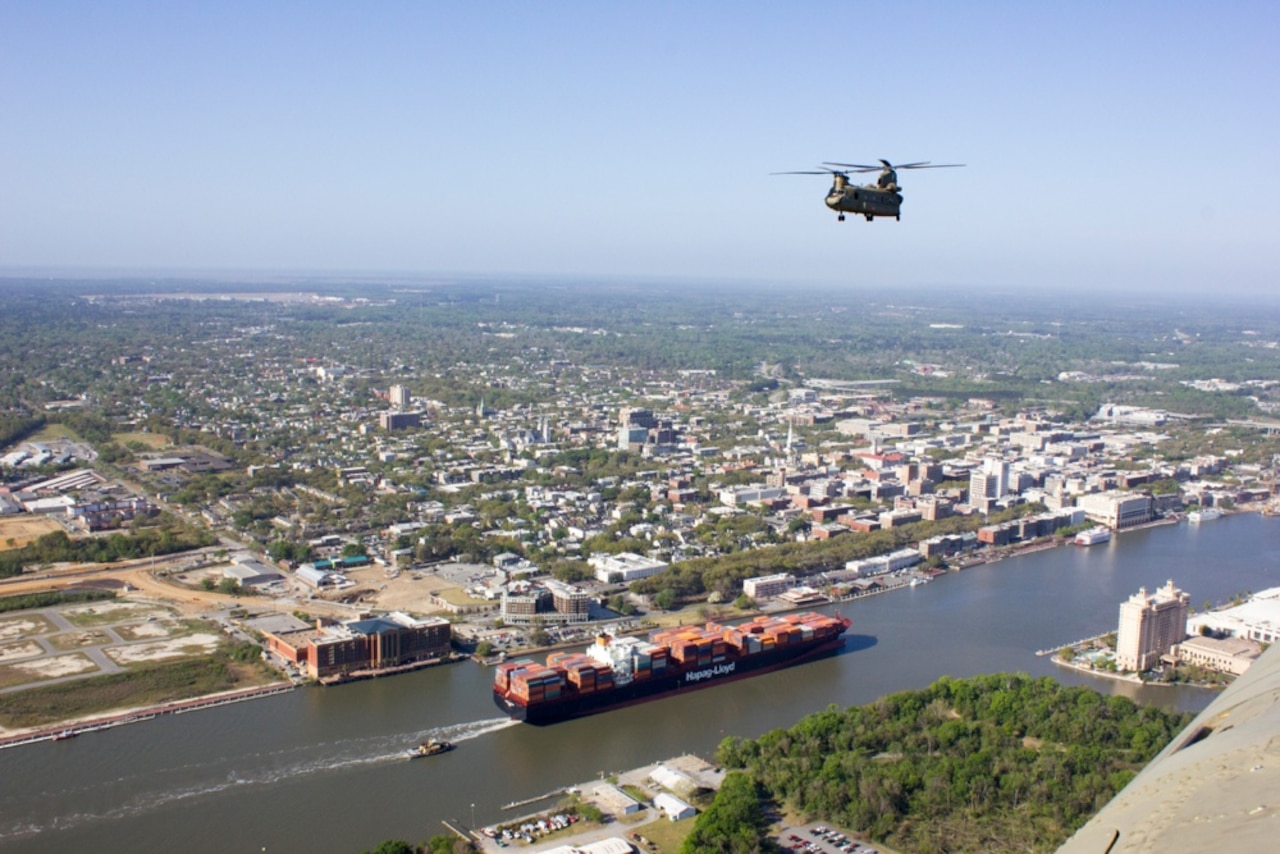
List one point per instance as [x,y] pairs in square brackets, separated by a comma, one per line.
[988,484]
[635,416]
[399,396]
[399,420]
[1150,624]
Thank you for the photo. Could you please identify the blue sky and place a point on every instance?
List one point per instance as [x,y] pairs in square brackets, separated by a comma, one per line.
[1108,145]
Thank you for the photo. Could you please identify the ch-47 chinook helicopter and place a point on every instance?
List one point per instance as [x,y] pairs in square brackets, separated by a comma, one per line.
[871,200]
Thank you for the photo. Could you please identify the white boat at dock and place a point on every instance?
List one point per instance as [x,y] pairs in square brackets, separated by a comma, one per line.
[1093,536]
[1204,514]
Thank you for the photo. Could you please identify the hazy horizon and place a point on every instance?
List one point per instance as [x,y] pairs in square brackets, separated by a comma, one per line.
[1106,147]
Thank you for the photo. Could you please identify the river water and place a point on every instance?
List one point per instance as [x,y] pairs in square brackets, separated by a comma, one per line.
[321,769]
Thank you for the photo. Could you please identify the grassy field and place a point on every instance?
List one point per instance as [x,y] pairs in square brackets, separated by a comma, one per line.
[667,835]
[141,686]
[55,431]
[154,441]
[456,596]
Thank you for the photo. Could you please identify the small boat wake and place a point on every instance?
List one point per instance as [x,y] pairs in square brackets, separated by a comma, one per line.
[137,794]
[468,731]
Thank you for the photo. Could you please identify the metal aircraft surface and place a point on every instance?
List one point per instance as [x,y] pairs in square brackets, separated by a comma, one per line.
[883,198]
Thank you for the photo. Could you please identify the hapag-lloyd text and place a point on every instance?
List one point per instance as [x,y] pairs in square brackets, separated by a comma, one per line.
[710,672]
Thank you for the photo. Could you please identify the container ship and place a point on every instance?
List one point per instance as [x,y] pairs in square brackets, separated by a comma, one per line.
[615,672]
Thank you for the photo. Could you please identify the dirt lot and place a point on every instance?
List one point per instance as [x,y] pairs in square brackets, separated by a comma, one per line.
[47,667]
[196,644]
[22,649]
[75,640]
[109,612]
[409,591]
[12,628]
[145,631]
[23,529]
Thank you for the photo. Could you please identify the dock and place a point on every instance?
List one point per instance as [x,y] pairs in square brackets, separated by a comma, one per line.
[1081,642]
[554,793]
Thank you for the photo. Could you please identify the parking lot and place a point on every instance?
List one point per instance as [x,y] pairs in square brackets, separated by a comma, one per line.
[820,839]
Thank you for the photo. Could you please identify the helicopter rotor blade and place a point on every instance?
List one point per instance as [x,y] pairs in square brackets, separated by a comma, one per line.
[920,164]
[855,167]
[812,172]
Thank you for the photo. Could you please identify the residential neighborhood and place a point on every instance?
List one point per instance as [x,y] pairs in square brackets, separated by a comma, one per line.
[383,498]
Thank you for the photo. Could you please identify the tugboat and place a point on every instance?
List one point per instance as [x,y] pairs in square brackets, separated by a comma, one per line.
[430,747]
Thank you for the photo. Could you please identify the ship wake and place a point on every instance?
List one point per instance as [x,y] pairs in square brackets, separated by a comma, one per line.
[135,794]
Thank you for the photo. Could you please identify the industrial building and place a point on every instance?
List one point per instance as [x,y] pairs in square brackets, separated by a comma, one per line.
[627,567]
[1257,619]
[363,646]
[1116,510]
[251,572]
[1226,655]
[674,808]
[768,586]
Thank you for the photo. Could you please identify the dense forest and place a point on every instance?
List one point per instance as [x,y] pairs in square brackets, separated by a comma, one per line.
[992,763]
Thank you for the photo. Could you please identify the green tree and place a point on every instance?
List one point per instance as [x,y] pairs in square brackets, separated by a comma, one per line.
[735,823]
[395,846]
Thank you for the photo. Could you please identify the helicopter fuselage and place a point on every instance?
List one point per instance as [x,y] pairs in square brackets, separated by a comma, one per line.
[869,201]
[883,198]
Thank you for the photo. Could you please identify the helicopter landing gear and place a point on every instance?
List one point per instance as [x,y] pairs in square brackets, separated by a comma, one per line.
[840,218]
[869,217]
[898,217]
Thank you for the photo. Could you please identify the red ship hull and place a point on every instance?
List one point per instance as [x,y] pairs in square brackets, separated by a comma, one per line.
[571,703]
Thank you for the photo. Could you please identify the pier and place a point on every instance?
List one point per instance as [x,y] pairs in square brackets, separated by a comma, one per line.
[554,793]
[1081,642]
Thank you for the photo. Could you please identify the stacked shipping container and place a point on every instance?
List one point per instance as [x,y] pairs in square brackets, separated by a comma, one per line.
[689,646]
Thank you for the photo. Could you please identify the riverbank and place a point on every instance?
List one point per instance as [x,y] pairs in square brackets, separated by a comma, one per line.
[697,613]
[626,798]
[1131,678]
[72,728]
[378,673]
[250,776]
